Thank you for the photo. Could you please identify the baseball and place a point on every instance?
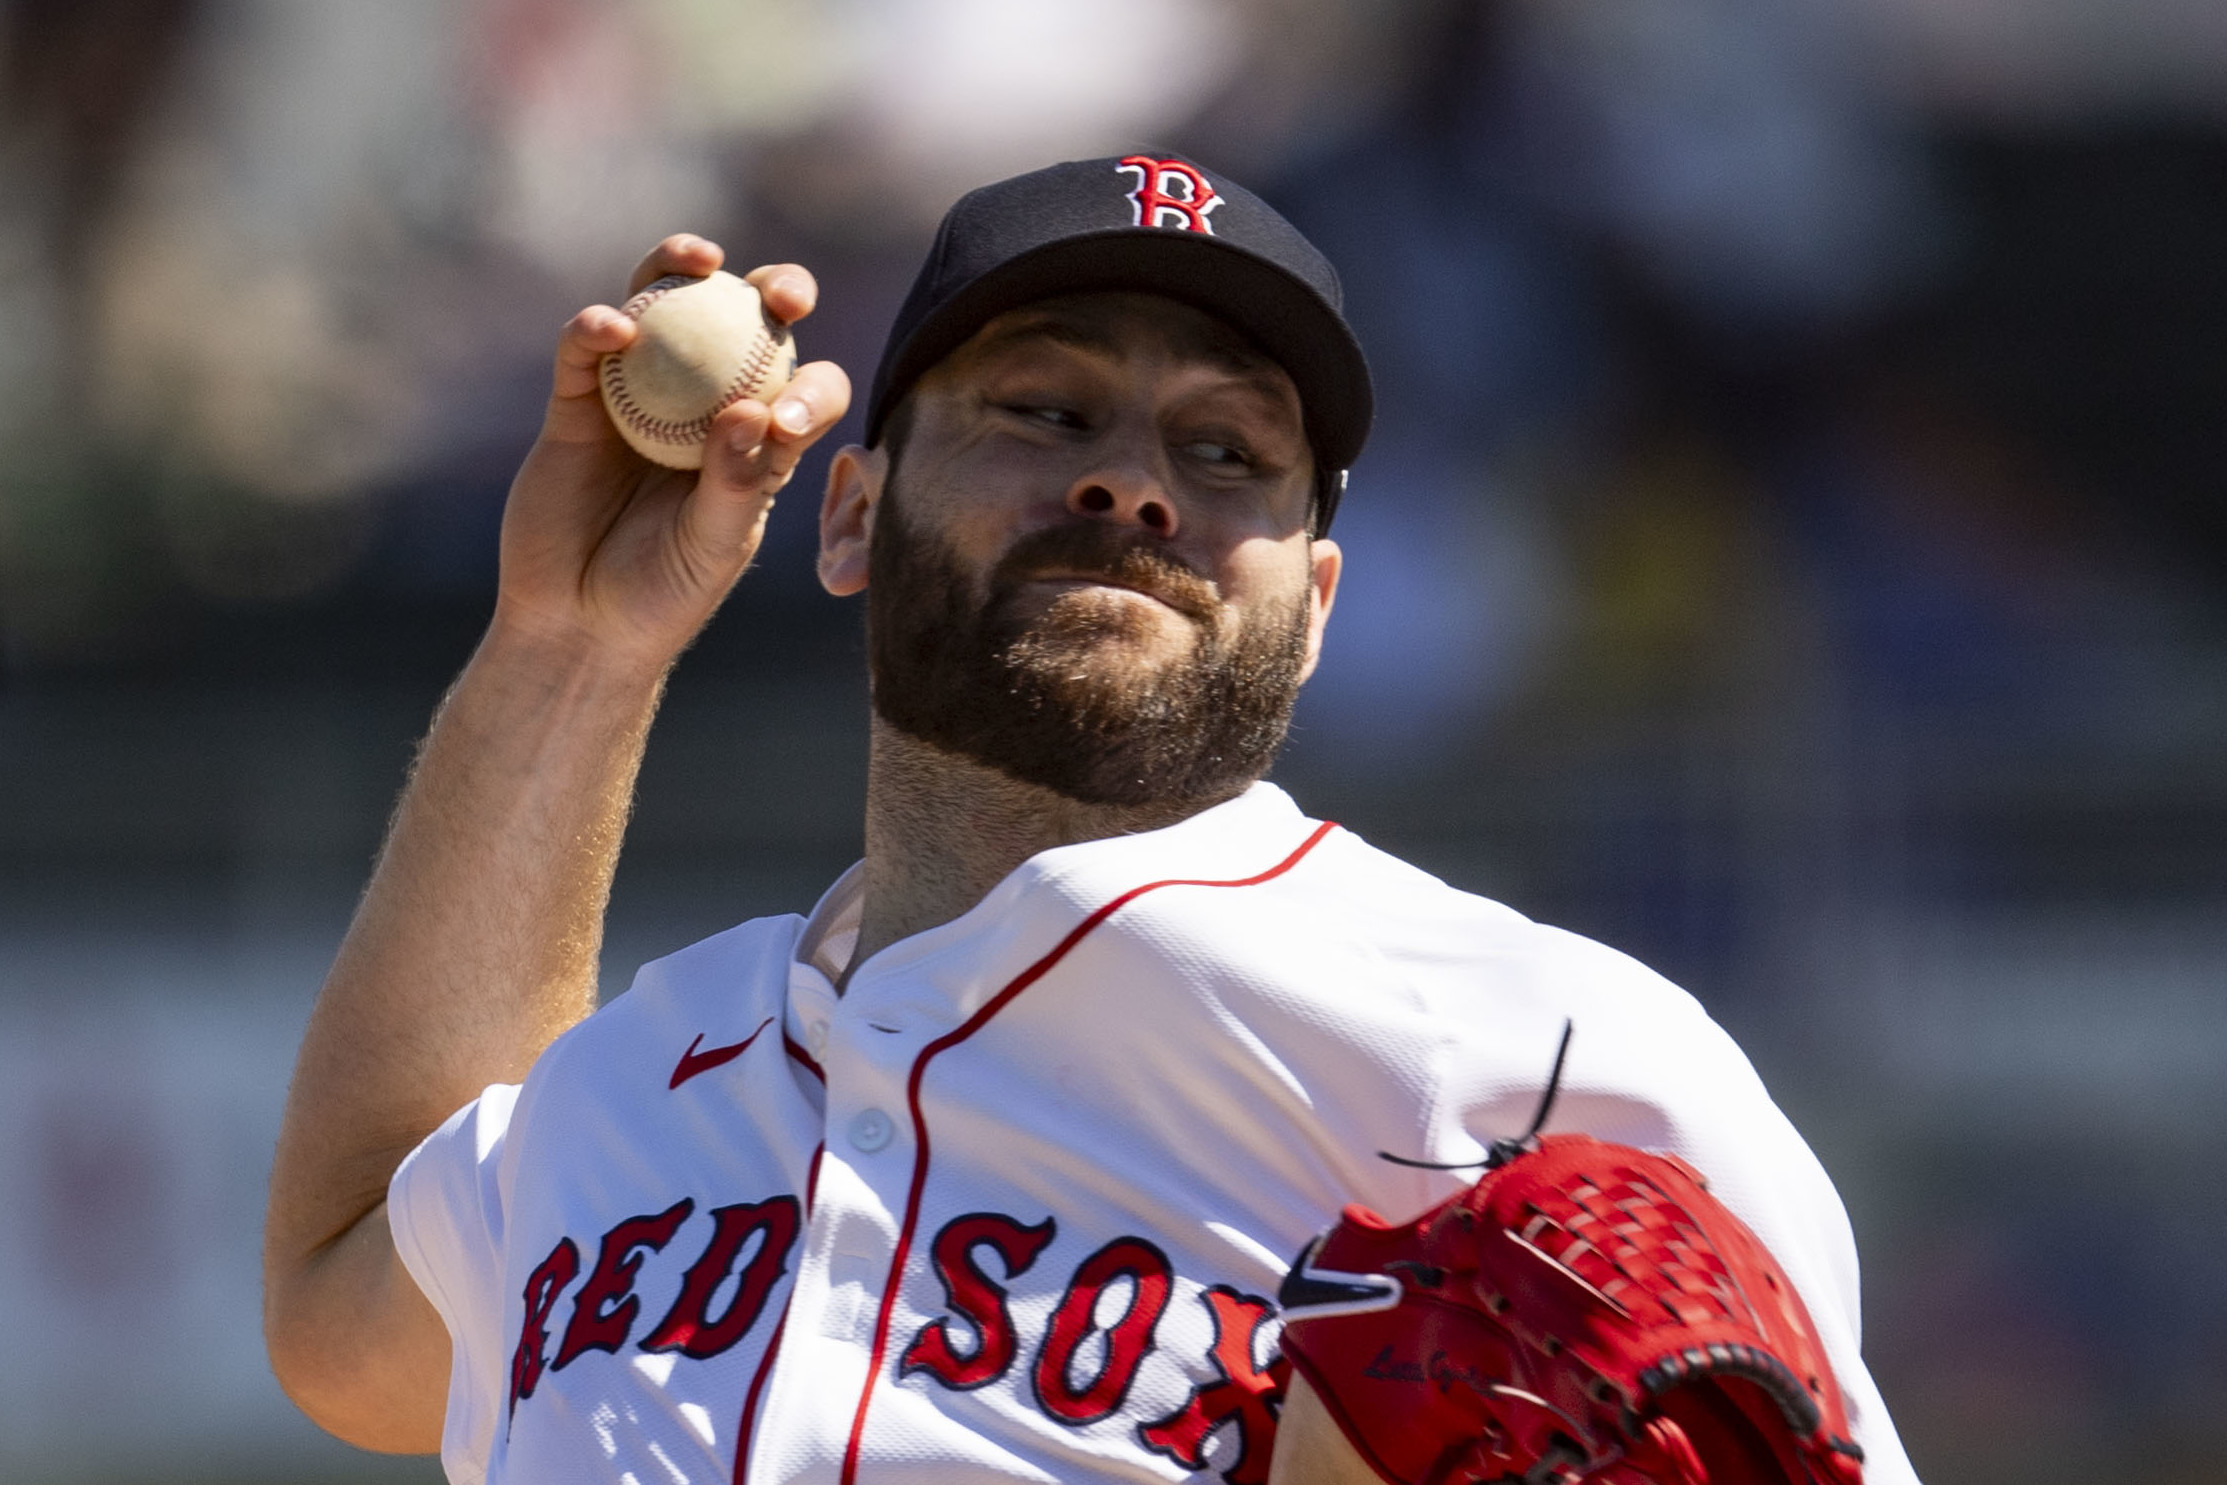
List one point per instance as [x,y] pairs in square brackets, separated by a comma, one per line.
[704,343]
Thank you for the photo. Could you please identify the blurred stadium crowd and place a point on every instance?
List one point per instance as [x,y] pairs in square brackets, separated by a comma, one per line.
[1793,549]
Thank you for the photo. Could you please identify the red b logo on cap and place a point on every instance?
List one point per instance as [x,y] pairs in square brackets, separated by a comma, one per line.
[1170,193]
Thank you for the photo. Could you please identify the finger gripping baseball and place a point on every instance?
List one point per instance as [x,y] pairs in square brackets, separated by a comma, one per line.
[704,344]
[1585,1312]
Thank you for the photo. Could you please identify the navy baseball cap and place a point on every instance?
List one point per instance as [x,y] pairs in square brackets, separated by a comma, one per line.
[1155,224]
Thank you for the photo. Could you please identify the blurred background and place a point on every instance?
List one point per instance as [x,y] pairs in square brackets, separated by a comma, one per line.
[1793,549]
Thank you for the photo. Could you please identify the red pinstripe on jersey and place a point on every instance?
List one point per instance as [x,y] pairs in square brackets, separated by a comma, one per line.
[953,1038]
[789,1044]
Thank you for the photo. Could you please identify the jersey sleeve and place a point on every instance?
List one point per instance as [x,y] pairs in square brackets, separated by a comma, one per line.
[1648,1067]
[445,1208]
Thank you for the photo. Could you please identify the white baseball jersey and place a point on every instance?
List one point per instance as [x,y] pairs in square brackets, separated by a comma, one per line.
[1013,1206]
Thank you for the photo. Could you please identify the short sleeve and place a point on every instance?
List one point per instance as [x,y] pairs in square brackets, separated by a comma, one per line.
[445,1209]
[1647,1067]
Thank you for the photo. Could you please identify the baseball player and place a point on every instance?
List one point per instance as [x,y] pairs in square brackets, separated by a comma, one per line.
[991,1166]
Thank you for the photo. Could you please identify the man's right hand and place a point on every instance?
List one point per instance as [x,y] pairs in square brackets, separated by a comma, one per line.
[476,944]
[602,546]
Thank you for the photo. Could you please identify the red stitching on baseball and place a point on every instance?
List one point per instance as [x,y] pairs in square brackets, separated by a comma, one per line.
[667,430]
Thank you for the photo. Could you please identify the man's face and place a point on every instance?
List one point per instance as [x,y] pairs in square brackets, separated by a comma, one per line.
[1091,568]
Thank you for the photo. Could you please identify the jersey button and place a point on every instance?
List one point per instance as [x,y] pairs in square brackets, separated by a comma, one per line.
[815,1037]
[871,1130]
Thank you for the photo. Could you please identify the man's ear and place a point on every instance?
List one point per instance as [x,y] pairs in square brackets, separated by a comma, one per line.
[1326,563]
[854,491]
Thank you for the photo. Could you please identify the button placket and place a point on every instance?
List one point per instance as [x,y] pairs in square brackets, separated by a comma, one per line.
[871,1047]
[871,1131]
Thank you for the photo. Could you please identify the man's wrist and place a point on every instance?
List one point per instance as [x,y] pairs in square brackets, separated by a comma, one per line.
[570,656]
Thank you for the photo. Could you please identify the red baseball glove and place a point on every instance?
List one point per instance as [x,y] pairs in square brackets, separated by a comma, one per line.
[1585,1312]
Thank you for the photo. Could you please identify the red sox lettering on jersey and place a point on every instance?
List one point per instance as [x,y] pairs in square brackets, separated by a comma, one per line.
[1008,1205]
[1080,1370]
[603,1310]
[1171,193]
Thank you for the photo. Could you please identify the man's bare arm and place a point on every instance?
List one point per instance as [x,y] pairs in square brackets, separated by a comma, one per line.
[477,941]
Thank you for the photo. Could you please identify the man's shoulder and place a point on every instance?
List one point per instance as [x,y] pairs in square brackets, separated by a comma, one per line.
[736,976]
[1357,866]
[1351,886]
[1264,838]
[1329,880]
[1456,938]
[757,952]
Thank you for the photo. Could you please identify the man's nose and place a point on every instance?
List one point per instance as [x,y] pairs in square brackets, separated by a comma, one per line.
[1127,491]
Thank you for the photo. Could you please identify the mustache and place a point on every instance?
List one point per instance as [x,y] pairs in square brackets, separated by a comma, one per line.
[1093,549]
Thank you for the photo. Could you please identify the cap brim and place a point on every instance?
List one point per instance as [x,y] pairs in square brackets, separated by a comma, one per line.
[1283,316]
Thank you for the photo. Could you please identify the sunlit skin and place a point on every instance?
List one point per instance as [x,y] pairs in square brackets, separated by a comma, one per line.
[1118,407]
[1122,408]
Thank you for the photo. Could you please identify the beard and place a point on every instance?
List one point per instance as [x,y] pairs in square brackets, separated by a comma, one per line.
[1048,697]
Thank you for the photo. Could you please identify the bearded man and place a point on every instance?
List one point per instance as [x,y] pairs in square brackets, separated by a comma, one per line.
[986,1168]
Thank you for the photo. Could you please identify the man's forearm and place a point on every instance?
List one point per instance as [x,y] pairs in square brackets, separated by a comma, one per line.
[476,943]
[477,940]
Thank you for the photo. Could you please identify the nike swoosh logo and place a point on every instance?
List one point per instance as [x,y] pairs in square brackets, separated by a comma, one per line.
[693,1062]
[1311,1293]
